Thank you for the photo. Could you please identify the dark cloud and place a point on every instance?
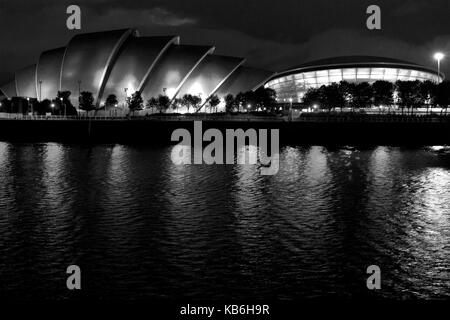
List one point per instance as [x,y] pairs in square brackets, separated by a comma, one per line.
[163,17]
[270,34]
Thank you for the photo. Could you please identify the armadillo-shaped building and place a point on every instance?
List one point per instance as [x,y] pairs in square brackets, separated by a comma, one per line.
[121,62]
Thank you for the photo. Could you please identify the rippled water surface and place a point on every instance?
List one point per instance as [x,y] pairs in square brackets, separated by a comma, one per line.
[142,227]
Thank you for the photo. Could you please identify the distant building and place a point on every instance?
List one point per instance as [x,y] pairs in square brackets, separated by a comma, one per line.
[121,62]
[294,82]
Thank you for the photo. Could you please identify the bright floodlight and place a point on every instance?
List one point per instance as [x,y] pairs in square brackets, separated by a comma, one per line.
[438,56]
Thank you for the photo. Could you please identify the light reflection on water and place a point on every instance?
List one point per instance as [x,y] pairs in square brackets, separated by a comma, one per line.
[142,227]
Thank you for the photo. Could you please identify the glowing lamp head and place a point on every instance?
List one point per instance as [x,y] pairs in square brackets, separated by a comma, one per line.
[439,56]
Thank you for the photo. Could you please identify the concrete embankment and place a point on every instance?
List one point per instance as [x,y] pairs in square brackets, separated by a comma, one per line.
[341,131]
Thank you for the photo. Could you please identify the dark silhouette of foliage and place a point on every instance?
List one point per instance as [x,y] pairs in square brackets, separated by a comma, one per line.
[383,93]
[152,103]
[111,101]
[213,102]
[443,95]
[135,102]
[230,103]
[163,103]
[86,101]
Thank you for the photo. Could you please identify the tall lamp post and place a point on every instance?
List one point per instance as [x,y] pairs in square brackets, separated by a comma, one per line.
[290,108]
[438,56]
[62,102]
[28,105]
[126,96]
[79,94]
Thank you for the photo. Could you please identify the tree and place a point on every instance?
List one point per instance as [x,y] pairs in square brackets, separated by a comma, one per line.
[5,105]
[363,94]
[240,100]
[214,101]
[428,92]
[311,97]
[196,101]
[86,101]
[249,101]
[111,101]
[163,103]
[135,103]
[383,93]
[186,101]
[443,95]
[229,103]
[264,98]
[176,103]
[408,94]
[152,103]
[43,107]
[63,103]
[331,96]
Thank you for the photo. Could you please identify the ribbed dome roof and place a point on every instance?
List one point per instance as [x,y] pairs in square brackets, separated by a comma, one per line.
[353,61]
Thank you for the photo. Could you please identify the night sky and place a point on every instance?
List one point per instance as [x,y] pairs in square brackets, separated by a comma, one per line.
[272,34]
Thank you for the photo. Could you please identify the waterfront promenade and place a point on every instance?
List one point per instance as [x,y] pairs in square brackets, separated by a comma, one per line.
[243,117]
[317,129]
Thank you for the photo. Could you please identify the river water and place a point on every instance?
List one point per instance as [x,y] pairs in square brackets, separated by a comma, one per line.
[141,227]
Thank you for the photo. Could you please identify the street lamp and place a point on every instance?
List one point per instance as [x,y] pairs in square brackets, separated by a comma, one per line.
[290,108]
[438,56]
[62,102]
[126,96]
[79,93]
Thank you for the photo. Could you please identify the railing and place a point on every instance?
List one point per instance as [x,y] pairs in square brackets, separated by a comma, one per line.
[306,117]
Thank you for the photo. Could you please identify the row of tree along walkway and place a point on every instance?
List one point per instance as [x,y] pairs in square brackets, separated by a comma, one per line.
[254,117]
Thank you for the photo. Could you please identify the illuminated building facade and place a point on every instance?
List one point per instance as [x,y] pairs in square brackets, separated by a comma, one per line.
[293,83]
[121,62]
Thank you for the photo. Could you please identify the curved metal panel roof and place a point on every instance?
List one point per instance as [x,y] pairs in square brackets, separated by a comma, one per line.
[244,79]
[88,61]
[48,73]
[208,76]
[136,59]
[26,82]
[173,69]
[108,62]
